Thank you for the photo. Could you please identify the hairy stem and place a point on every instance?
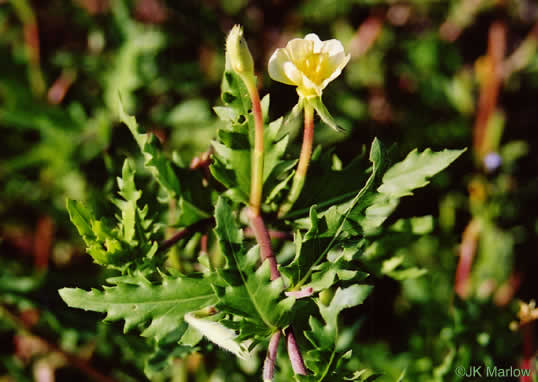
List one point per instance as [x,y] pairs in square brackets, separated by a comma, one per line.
[256,184]
[257,225]
[269,363]
[294,353]
[304,161]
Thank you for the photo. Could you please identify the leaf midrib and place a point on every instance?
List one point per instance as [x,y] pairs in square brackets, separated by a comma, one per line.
[160,301]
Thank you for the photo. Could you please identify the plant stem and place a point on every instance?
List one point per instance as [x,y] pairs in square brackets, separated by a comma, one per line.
[527,330]
[490,88]
[24,11]
[262,237]
[294,353]
[467,251]
[269,363]
[257,224]
[273,234]
[193,228]
[304,161]
[256,185]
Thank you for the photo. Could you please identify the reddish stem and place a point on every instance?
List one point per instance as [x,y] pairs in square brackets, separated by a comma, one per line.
[43,242]
[269,363]
[308,139]
[366,36]
[273,234]
[193,228]
[467,251]
[262,237]
[489,90]
[59,89]
[294,353]
[527,362]
[203,244]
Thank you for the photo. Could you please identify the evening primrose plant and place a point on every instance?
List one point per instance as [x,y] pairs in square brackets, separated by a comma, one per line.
[277,255]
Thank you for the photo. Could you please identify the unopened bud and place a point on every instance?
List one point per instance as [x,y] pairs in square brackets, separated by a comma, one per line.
[238,53]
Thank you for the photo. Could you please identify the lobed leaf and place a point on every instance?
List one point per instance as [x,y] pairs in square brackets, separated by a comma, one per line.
[158,307]
[325,229]
[154,159]
[131,241]
[235,140]
[193,198]
[324,360]
[413,172]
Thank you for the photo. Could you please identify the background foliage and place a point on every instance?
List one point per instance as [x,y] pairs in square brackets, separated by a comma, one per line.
[439,74]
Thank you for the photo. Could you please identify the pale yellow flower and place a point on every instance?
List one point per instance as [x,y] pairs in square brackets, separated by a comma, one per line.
[309,63]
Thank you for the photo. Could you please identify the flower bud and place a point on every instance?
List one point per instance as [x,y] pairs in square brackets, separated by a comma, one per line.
[238,54]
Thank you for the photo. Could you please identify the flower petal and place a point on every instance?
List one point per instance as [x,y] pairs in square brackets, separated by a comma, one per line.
[276,65]
[335,65]
[292,73]
[318,44]
[299,49]
[332,47]
[308,88]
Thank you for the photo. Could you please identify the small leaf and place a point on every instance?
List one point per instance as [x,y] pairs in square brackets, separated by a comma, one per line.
[323,113]
[160,166]
[218,334]
[413,172]
[343,299]
[323,360]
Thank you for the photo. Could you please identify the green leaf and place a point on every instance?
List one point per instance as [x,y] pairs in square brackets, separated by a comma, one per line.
[323,360]
[413,172]
[102,241]
[343,299]
[193,197]
[137,42]
[244,289]
[345,183]
[132,223]
[154,159]
[323,113]
[325,228]
[158,307]
[131,241]
[235,140]
[403,177]
[163,357]
[339,267]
